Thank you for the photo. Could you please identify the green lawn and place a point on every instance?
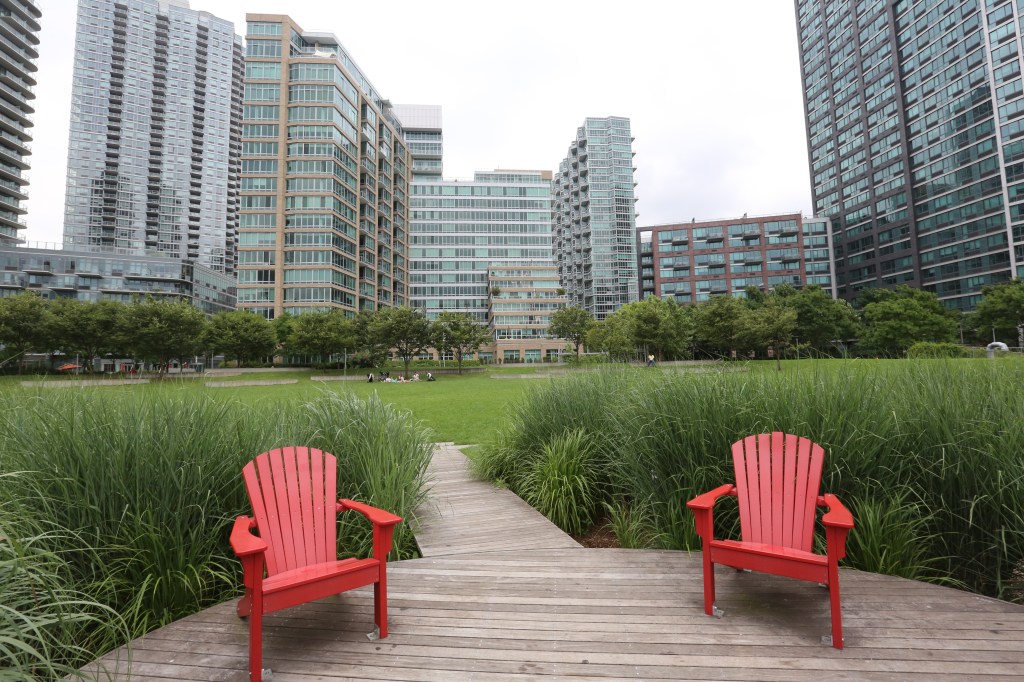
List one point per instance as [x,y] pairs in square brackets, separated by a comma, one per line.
[464,409]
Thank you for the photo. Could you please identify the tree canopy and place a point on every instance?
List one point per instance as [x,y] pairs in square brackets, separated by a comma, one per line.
[896,319]
[241,335]
[459,334]
[404,329]
[322,334]
[1001,309]
[653,326]
[164,330]
[572,324]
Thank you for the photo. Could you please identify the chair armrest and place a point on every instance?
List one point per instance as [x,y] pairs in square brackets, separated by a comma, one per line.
[838,522]
[707,500]
[383,526]
[837,515]
[377,517]
[702,507]
[242,541]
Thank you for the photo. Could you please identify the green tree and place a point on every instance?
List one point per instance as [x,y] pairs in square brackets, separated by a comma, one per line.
[240,334]
[896,319]
[376,352]
[770,326]
[24,326]
[322,334]
[1001,308]
[719,324]
[87,329]
[404,329]
[459,334]
[572,324]
[613,335]
[161,331]
[283,326]
[661,326]
[821,319]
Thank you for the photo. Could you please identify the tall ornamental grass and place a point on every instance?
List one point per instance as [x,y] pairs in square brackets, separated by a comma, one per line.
[928,454]
[46,624]
[143,488]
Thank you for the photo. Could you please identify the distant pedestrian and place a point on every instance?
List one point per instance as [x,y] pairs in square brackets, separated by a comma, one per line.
[650,360]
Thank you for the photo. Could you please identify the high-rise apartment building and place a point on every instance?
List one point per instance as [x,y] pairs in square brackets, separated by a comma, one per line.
[19,25]
[462,228]
[423,128]
[915,126]
[154,151]
[594,219]
[325,179]
[691,262]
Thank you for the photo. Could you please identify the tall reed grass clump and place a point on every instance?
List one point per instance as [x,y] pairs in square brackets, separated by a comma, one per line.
[145,486]
[928,454]
[46,624]
[553,447]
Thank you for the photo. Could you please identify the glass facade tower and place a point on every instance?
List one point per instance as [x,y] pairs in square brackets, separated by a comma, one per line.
[594,221]
[915,126]
[154,151]
[19,26]
[460,229]
[325,179]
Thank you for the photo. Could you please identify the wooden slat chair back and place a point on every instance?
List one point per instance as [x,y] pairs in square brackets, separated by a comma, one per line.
[777,481]
[293,493]
[293,557]
[778,476]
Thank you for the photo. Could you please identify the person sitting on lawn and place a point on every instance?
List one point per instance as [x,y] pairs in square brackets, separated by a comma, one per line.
[430,376]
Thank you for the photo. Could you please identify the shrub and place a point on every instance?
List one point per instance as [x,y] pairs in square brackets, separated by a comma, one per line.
[928,349]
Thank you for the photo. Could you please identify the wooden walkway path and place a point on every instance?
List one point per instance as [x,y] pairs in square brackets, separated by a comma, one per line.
[497,609]
[465,516]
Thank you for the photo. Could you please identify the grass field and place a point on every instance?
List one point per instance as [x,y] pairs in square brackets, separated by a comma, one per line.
[465,409]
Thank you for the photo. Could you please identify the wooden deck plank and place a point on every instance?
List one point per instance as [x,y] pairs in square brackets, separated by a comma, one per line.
[490,609]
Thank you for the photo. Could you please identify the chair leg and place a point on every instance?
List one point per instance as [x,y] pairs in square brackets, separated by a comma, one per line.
[256,647]
[380,605]
[836,608]
[709,585]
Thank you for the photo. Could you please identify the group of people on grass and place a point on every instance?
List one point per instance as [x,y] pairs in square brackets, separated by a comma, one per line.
[385,377]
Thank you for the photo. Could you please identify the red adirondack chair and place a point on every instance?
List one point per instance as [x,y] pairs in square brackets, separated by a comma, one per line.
[777,481]
[293,495]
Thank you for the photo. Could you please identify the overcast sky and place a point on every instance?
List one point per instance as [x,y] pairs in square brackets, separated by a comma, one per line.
[712,90]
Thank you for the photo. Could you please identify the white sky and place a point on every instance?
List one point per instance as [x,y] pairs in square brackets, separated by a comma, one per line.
[712,89]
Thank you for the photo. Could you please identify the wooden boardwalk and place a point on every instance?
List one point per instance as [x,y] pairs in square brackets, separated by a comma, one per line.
[498,608]
[465,516]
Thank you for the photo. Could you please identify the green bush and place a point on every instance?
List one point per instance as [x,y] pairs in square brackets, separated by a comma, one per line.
[928,349]
[951,431]
[149,484]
